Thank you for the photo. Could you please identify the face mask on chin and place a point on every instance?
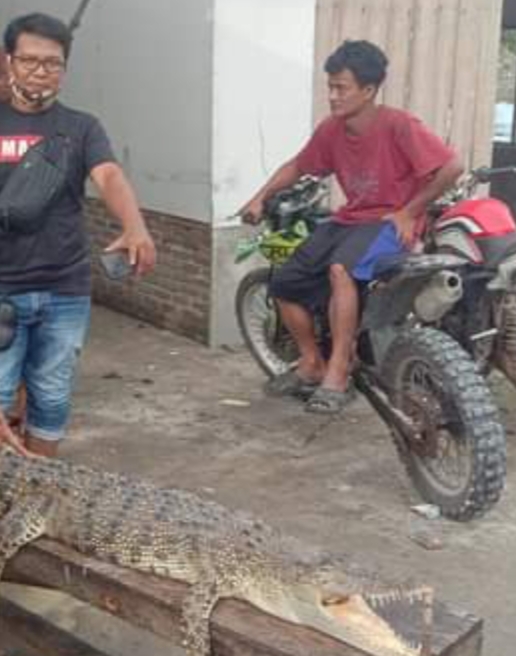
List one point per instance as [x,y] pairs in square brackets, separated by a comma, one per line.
[34,101]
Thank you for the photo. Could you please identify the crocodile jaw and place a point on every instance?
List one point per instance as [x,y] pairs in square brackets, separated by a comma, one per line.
[355,617]
[349,619]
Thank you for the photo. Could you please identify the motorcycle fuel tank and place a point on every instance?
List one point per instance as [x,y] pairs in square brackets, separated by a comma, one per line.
[483,230]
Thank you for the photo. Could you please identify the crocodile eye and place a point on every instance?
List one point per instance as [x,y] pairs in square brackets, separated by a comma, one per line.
[334,600]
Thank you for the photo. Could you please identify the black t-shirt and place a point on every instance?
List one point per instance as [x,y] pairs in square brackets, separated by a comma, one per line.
[56,258]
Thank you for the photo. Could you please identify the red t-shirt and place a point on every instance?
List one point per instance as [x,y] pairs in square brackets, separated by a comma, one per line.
[381,170]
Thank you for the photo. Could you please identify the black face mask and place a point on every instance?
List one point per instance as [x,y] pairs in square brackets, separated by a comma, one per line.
[7,323]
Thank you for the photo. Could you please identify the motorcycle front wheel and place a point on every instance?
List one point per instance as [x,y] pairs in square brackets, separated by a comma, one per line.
[260,324]
[458,461]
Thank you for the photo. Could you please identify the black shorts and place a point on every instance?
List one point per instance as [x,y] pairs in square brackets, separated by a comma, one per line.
[304,278]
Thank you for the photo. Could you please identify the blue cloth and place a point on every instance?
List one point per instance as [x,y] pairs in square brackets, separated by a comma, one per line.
[384,244]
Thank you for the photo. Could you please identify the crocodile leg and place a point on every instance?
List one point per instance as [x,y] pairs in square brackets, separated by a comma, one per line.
[197,608]
[24,522]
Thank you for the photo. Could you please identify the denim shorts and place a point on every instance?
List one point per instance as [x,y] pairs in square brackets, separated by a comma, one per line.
[50,333]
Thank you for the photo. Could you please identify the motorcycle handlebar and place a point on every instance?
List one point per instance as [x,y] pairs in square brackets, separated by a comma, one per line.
[485,174]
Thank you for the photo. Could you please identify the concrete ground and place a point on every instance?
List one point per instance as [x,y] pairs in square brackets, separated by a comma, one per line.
[154,404]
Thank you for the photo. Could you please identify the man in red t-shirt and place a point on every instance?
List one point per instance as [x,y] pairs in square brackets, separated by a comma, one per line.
[390,166]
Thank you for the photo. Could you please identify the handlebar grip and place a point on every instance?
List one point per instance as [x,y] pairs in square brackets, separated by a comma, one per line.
[484,174]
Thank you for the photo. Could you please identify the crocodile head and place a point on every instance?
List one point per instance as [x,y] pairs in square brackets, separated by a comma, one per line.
[352,607]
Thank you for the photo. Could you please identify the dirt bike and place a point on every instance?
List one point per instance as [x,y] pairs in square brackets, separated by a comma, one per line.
[432,326]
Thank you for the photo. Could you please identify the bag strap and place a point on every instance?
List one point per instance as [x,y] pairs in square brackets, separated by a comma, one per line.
[61,130]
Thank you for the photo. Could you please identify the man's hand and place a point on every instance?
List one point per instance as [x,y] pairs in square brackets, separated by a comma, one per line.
[285,176]
[252,212]
[9,437]
[404,223]
[119,197]
[140,248]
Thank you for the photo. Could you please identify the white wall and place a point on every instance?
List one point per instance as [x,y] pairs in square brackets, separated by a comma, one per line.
[145,68]
[203,99]
[262,90]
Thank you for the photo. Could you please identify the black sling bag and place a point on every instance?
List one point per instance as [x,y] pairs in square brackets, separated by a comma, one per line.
[34,184]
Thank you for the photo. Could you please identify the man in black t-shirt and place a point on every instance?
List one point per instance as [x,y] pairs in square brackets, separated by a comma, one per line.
[46,274]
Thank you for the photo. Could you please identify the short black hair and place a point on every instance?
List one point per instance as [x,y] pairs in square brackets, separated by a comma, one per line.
[364,59]
[41,25]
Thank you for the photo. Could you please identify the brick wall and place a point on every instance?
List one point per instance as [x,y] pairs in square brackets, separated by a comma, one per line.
[177,295]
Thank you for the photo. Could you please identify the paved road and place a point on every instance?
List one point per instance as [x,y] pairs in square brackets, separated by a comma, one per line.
[151,403]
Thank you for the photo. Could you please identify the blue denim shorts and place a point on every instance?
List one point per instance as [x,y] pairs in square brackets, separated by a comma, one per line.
[50,334]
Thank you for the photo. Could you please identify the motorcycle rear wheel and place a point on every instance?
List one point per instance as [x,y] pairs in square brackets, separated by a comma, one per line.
[260,324]
[459,464]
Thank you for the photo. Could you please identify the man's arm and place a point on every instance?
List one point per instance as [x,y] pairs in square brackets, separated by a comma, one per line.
[439,182]
[118,195]
[285,176]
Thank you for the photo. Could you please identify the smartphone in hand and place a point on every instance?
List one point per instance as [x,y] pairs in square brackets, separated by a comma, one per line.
[116,264]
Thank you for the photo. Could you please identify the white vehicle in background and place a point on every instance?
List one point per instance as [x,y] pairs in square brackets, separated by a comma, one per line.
[504,116]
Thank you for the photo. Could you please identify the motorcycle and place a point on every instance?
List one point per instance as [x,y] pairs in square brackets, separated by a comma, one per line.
[433,324]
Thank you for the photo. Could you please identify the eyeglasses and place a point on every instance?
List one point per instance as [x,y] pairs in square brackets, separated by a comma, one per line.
[30,64]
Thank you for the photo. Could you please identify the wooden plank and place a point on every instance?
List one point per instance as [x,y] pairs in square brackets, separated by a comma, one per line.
[336,20]
[445,51]
[237,628]
[399,50]
[490,18]
[323,14]
[376,17]
[424,63]
[464,92]
[325,27]
[353,19]
[23,632]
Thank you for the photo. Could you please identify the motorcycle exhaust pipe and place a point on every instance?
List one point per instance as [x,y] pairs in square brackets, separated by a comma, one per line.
[438,296]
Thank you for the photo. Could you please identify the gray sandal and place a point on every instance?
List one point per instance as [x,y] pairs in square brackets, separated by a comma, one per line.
[326,401]
[290,383]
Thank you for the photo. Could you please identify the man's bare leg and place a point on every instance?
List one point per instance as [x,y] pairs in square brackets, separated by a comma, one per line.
[343,315]
[300,324]
[40,447]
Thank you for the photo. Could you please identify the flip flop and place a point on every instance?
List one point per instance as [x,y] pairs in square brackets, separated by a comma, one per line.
[290,383]
[326,401]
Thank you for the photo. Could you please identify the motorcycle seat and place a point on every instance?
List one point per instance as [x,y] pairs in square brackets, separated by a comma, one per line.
[414,264]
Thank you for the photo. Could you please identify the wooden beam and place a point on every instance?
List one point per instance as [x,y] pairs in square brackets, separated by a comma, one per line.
[23,633]
[154,604]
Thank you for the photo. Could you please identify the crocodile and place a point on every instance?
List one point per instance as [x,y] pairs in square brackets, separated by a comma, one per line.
[220,553]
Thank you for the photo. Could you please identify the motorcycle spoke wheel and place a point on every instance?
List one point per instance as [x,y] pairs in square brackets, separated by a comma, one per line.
[444,453]
[260,325]
[458,460]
